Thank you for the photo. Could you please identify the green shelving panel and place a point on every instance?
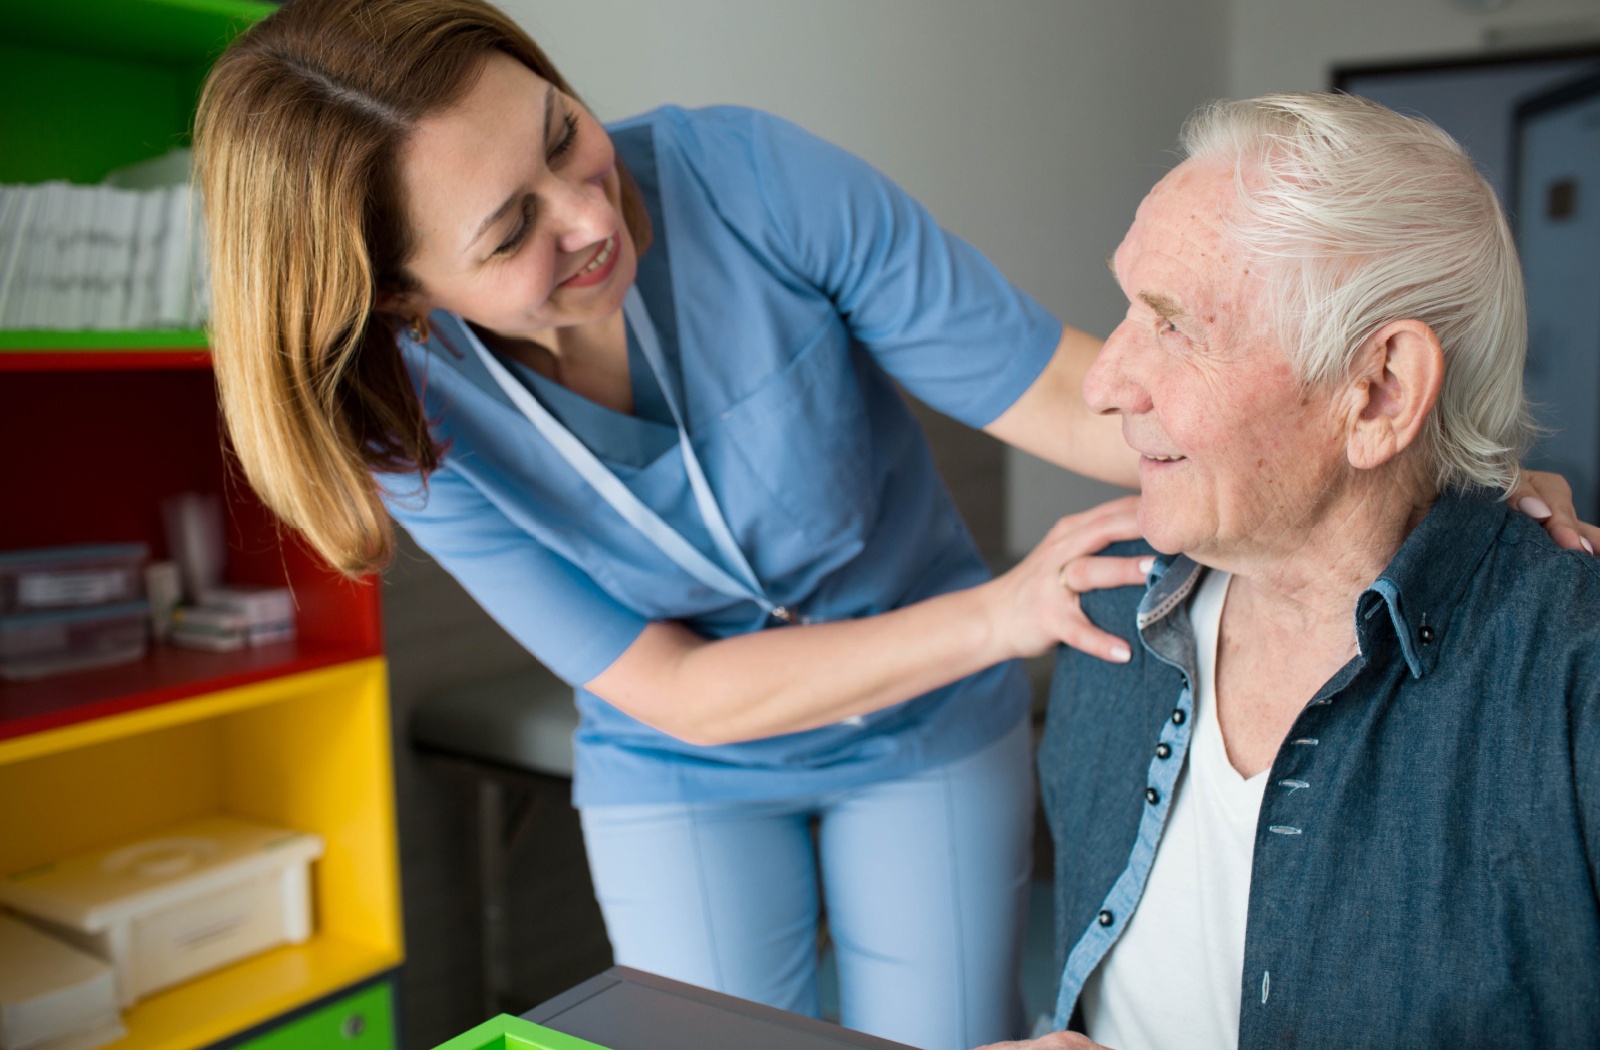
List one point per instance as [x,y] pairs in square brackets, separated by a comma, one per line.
[92,85]
[361,1021]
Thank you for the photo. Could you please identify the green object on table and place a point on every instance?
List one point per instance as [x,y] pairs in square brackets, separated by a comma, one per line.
[363,1020]
[513,1033]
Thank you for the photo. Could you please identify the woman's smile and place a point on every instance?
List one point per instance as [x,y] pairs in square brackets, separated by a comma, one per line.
[599,267]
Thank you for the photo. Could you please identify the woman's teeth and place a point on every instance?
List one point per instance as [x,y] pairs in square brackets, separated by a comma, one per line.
[604,256]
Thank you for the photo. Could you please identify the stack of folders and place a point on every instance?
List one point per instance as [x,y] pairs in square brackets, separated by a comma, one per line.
[101,257]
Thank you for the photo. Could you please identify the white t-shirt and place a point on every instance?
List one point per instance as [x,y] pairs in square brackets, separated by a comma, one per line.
[1173,979]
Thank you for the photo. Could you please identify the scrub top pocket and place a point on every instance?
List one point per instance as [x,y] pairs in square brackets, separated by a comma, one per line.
[804,439]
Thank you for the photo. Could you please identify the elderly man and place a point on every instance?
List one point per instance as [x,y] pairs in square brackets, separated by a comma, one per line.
[1347,791]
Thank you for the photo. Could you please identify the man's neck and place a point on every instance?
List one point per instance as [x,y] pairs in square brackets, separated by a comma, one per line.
[1289,622]
[1308,581]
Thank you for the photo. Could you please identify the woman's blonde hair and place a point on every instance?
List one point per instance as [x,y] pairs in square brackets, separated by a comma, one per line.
[297,136]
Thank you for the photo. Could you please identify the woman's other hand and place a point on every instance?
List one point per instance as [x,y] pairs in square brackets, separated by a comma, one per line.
[1053,1041]
[1547,499]
[1035,605]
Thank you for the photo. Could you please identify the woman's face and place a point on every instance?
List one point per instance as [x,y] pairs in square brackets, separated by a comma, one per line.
[513,200]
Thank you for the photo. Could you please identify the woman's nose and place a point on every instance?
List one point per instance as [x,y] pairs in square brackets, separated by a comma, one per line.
[1110,385]
[584,215]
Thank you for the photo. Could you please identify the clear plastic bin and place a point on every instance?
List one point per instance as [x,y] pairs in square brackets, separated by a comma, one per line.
[71,577]
[36,645]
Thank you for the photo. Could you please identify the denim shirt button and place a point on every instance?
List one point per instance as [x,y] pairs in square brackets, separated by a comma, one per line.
[1425,633]
[1178,716]
[1163,750]
[1152,796]
[1105,918]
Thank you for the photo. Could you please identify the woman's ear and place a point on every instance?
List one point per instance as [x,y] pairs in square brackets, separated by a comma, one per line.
[1395,384]
[397,303]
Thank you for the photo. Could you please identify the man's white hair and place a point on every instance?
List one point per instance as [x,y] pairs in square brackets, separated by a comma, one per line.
[1363,216]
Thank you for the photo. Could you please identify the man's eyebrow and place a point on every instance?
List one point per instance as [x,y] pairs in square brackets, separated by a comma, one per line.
[1163,305]
[517,197]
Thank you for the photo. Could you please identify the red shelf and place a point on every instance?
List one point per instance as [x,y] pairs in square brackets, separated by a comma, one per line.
[167,674]
[102,360]
[96,440]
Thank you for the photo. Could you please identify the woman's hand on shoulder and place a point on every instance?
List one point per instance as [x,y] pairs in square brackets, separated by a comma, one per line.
[1547,499]
[1035,605]
[1052,1041]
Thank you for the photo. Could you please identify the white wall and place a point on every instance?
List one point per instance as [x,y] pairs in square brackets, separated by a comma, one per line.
[1031,127]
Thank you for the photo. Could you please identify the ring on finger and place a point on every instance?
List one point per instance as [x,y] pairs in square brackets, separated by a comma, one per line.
[1061,578]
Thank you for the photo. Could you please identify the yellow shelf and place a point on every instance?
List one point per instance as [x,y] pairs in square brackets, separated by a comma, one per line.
[193,709]
[308,751]
[250,993]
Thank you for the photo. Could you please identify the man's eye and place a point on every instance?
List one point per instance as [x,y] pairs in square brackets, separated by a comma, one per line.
[1168,328]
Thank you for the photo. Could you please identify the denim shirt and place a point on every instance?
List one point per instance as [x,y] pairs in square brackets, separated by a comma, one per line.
[1427,853]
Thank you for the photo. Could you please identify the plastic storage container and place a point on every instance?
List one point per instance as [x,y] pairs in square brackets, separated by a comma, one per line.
[35,645]
[71,577]
[165,909]
[53,996]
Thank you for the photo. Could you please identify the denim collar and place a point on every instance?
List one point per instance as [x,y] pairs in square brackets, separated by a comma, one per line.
[1420,587]
[1423,584]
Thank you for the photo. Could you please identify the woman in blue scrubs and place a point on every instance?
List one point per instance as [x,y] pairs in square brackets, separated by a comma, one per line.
[633,387]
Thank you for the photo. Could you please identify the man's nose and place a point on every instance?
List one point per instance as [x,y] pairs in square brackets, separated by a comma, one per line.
[1110,384]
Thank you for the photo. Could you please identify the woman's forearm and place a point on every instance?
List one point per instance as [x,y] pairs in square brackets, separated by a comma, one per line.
[789,679]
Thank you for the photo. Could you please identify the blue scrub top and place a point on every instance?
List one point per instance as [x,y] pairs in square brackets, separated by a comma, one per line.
[788,281]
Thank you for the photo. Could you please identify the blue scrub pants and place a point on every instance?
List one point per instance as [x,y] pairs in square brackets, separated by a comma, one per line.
[925,878]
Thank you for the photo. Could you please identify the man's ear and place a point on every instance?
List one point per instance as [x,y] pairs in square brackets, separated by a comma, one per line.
[1395,383]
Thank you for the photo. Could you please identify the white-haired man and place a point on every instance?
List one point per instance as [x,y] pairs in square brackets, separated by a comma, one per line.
[1347,791]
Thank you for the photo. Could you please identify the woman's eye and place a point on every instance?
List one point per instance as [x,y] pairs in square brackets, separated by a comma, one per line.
[1166,327]
[569,135]
[520,234]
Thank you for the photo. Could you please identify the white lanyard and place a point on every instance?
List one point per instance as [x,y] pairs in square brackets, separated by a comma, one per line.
[622,500]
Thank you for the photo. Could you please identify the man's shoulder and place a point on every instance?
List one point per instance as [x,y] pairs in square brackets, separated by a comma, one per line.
[1114,609]
[1527,578]
[1526,624]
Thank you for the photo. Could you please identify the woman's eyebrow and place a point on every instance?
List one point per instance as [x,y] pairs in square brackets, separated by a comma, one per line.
[516,198]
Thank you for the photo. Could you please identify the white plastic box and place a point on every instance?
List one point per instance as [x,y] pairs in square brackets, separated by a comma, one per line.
[53,996]
[160,911]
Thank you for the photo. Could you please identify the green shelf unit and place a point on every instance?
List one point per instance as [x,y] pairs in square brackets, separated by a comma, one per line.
[363,1020]
[93,85]
[513,1033]
[102,342]
[118,420]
